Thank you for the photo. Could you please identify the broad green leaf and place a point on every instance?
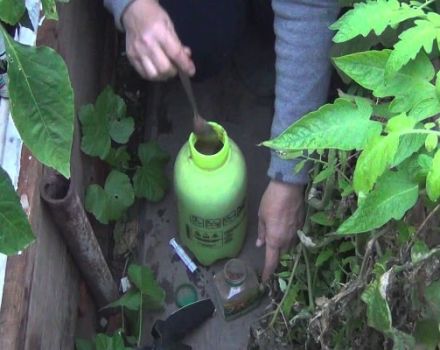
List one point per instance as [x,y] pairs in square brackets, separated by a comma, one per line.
[425,163]
[322,218]
[15,230]
[342,125]
[402,340]
[372,16]
[400,122]
[431,142]
[118,158]
[378,311]
[393,195]
[377,157]
[11,11]
[143,278]
[41,102]
[419,251]
[131,300]
[425,109]
[410,86]
[427,333]
[323,256]
[408,145]
[103,122]
[411,41]
[110,202]
[150,180]
[433,178]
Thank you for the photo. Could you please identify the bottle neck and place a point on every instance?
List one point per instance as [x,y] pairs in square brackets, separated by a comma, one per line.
[210,161]
[235,272]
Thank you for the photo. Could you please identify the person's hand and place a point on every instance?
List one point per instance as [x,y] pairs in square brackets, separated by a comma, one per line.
[280,215]
[153,47]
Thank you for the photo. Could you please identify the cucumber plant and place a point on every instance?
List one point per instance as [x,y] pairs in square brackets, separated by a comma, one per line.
[365,273]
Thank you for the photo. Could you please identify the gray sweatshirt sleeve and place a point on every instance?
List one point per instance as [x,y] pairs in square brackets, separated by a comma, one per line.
[117,8]
[302,47]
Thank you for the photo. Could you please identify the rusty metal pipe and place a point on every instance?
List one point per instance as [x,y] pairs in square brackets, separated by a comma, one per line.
[71,219]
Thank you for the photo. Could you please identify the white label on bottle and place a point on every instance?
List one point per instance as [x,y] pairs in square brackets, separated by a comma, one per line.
[233,292]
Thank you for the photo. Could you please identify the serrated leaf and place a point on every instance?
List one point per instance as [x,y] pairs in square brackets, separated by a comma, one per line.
[11,11]
[323,256]
[431,142]
[372,16]
[322,218]
[411,41]
[41,102]
[342,125]
[378,311]
[410,86]
[419,251]
[427,333]
[377,157]
[433,178]
[131,300]
[408,145]
[400,122]
[103,122]
[150,180]
[393,195]
[110,202]
[143,278]
[15,230]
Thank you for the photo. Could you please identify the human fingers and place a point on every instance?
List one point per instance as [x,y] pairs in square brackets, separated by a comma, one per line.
[271,261]
[161,62]
[261,239]
[150,70]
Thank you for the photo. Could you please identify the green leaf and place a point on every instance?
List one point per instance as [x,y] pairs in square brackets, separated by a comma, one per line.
[103,122]
[425,108]
[110,203]
[115,342]
[290,299]
[84,344]
[372,16]
[143,278]
[410,86]
[323,256]
[325,173]
[346,246]
[419,251]
[427,333]
[150,180]
[377,157]
[15,230]
[118,158]
[11,11]
[299,166]
[431,142]
[131,300]
[400,122]
[411,41]
[342,125]
[41,102]
[393,195]
[402,340]
[50,9]
[322,218]
[432,299]
[283,284]
[378,311]
[408,145]
[433,178]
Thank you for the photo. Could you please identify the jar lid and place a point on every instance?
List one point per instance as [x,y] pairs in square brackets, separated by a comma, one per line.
[185,294]
[235,272]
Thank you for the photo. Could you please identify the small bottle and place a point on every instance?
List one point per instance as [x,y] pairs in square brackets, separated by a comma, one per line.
[238,290]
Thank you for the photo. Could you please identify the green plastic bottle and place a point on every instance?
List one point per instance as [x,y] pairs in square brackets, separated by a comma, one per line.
[211,199]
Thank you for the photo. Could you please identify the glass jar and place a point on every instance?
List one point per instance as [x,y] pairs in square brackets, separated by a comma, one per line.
[238,289]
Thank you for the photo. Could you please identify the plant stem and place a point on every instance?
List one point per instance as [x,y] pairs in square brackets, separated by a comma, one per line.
[429,2]
[289,285]
[423,224]
[309,280]
[140,322]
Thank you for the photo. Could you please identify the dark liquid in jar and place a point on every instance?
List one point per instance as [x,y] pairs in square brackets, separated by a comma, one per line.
[208,147]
